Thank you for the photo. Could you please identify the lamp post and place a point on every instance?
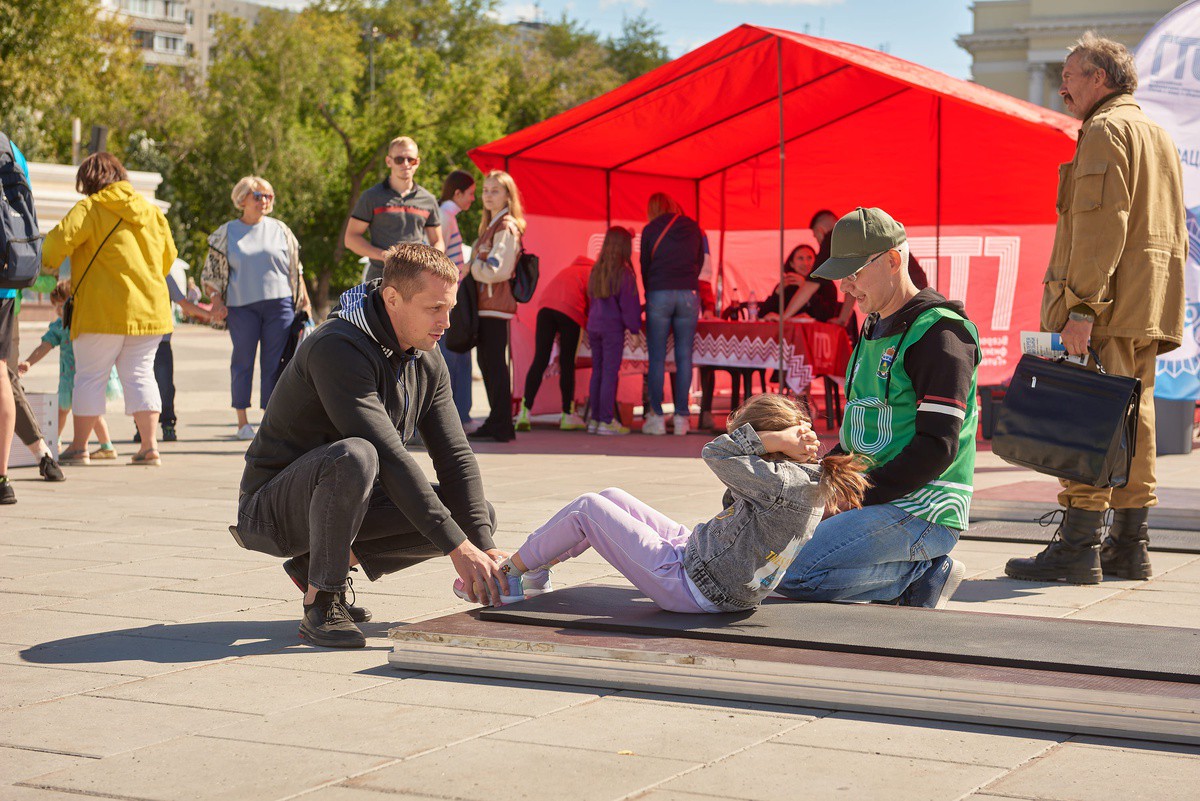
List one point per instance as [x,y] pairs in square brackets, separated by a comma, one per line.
[372,32]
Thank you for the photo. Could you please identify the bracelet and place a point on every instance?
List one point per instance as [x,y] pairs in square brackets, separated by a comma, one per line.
[1080,317]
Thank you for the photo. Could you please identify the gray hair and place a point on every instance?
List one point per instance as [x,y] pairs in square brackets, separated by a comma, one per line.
[1097,53]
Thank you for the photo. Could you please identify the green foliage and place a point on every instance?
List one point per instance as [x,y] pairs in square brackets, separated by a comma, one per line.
[307,100]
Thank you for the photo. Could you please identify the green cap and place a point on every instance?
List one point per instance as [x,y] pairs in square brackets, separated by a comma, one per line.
[857,237]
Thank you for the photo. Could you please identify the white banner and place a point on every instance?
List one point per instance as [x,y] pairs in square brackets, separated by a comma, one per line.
[1168,66]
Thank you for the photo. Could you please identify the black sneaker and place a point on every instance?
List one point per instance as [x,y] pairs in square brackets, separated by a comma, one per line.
[169,434]
[50,469]
[297,570]
[326,623]
[7,495]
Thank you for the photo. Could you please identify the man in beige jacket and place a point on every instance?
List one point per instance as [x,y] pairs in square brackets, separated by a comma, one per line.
[1115,280]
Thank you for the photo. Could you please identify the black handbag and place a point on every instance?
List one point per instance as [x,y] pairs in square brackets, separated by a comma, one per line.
[463,333]
[525,277]
[1068,421]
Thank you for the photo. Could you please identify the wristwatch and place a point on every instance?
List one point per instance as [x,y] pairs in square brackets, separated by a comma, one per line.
[1081,317]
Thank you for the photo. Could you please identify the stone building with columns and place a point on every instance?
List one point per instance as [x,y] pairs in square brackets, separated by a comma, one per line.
[1018,46]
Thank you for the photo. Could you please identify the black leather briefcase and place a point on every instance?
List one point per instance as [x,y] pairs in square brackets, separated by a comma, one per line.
[1068,421]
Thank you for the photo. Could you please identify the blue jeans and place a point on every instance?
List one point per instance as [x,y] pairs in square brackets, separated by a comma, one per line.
[459,365]
[868,554]
[667,311]
[260,328]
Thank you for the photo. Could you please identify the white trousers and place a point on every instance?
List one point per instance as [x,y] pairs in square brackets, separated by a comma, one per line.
[95,355]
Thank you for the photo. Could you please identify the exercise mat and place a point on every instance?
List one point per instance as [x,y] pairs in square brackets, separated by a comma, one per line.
[1071,646]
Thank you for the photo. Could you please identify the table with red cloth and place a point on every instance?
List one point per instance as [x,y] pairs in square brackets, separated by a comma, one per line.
[810,348]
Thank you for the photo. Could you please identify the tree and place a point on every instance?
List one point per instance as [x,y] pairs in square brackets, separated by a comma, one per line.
[638,49]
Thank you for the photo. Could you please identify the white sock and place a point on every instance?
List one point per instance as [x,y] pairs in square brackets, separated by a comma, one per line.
[41,449]
[509,568]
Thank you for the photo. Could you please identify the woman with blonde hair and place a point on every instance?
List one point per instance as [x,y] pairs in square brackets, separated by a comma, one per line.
[494,259]
[256,281]
[672,257]
[121,250]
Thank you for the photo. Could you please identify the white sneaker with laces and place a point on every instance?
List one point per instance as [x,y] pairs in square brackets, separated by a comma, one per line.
[246,432]
[593,425]
[682,423]
[613,429]
[536,582]
[654,425]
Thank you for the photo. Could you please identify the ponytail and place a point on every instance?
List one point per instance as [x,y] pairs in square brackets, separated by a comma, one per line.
[843,481]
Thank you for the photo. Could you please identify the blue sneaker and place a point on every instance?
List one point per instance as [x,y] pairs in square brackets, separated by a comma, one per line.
[936,585]
[511,595]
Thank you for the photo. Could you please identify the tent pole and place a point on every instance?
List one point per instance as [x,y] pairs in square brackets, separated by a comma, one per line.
[719,297]
[607,200]
[782,195]
[937,236]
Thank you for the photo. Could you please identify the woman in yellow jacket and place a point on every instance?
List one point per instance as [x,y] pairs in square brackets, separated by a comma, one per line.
[121,251]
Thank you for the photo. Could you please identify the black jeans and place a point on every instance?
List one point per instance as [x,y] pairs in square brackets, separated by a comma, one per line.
[492,353]
[326,502]
[552,323]
[164,375]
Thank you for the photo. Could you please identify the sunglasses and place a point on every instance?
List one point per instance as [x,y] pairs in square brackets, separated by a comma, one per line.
[405,159]
[267,196]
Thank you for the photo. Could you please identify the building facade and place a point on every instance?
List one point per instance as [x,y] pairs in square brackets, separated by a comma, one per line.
[1018,46]
[178,33]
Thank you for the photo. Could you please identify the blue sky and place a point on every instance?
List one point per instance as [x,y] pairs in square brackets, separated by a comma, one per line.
[918,31]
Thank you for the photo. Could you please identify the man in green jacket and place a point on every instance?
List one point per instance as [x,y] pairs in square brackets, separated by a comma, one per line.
[1115,281]
[329,480]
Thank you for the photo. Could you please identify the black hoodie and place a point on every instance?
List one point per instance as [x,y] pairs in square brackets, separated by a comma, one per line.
[351,378]
[941,364]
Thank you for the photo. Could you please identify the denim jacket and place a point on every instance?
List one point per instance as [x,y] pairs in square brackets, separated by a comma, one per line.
[739,556]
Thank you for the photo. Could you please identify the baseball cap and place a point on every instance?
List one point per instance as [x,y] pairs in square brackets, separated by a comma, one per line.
[857,237]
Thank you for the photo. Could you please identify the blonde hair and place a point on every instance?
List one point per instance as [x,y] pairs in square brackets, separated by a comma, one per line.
[516,209]
[402,141]
[251,183]
[661,203]
[1097,53]
[616,259]
[842,475]
[405,263]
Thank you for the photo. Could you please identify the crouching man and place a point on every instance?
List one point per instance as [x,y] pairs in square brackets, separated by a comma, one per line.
[329,481]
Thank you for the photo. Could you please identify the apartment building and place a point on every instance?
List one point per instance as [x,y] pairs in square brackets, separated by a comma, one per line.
[178,32]
[1018,46]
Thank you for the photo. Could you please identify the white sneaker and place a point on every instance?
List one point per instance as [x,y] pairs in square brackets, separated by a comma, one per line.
[682,423]
[654,425]
[246,432]
[536,582]
[613,429]
[593,425]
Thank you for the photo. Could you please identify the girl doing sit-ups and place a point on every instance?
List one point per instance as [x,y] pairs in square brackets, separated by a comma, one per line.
[777,493]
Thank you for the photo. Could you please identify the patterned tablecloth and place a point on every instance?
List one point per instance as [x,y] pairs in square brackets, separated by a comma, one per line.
[809,349]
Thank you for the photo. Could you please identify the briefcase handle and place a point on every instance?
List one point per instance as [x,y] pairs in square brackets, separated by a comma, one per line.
[1096,356]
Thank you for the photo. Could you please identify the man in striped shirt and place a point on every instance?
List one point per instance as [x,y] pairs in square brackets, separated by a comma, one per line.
[911,414]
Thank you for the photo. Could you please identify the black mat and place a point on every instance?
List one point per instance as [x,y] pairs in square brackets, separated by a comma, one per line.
[1163,540]
[1070,646]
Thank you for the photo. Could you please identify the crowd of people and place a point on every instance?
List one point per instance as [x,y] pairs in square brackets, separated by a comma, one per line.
[331,485]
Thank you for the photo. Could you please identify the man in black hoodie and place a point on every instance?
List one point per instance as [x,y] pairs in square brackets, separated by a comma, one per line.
[911,414]
[328,479]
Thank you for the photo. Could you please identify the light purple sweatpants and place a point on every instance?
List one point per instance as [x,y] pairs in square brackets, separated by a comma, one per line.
[638,540]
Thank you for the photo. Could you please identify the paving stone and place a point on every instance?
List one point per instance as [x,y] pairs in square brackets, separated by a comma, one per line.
[23,567]
[12,793]
[163,606]
[339,792]
[372,660]
[81,584]
[1189,573]
[561,772]
[479,694]
[130,655]
[19,764]
[19,602]
[265,582]
[111,552]
[52,627]
[178,567]
[207,769]
[92,732]
[1073,772]
[674,732]
[951,742]
[365,727]
[1148,614]
[823,773]
[29,684]
[241,688]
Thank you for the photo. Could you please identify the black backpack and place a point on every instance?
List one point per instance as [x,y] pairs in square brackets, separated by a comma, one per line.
[525,277]
[20,242]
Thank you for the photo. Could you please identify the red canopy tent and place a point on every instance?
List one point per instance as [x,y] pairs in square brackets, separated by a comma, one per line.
[755,131]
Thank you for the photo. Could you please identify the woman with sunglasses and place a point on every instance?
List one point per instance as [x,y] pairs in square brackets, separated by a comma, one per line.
[256,281]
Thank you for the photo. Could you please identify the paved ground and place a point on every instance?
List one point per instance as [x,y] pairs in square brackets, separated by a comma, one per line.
[144,656]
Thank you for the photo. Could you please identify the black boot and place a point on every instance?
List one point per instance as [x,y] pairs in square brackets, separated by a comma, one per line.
[326,623]
[297,570]
[1073,555]
[1126,550]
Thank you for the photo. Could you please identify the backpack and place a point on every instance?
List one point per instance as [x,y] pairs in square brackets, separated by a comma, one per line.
[463,333]
[525,277]
[20,241]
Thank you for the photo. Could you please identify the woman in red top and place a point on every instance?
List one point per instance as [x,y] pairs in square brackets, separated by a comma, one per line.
[563,315]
